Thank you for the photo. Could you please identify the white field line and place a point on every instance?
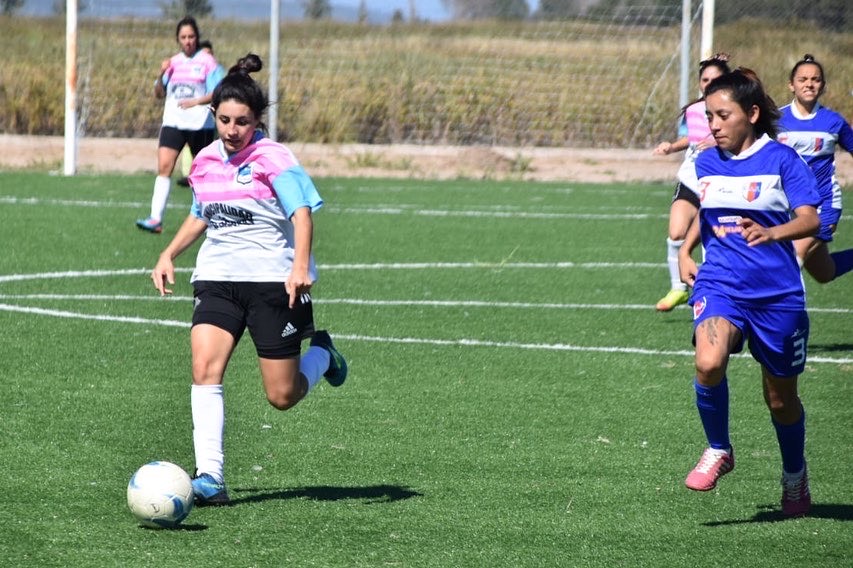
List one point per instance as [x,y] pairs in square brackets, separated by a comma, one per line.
[365,210]
[488,212]
[414,340]
[349,266]
[386,303]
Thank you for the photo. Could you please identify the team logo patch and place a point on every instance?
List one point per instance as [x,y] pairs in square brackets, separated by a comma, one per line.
[818,144]
[244,175]
[752,191]
[699,307]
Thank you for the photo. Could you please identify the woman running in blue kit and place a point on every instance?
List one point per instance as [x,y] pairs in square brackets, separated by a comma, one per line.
[815,132]
[749,286]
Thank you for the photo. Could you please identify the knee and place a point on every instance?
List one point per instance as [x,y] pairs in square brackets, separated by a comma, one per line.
[287,395]
[709,370]
[283,401]
[207,373]
[784,409]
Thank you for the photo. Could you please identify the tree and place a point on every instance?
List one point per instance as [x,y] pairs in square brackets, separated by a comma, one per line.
[180,8]
[558,9]
[316,9]
[362,12]
[483,9]
[9,7]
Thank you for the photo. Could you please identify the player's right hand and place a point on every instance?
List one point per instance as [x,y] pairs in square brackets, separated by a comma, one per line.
[163,275]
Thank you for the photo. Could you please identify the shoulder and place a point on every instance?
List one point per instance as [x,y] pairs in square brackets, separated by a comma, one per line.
[831,116]
[272,156]
[206,59]
[778,150]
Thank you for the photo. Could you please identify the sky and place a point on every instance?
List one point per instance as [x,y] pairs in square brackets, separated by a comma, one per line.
[380,10]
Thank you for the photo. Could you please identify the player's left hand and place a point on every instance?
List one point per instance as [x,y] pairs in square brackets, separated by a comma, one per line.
[295,286]
[754,233]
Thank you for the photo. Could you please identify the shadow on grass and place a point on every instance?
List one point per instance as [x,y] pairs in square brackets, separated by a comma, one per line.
[772,514]
[180,527]
[371,494]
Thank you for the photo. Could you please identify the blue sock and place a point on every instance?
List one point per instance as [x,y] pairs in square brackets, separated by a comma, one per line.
[792,443]
[843,262]
[713,405]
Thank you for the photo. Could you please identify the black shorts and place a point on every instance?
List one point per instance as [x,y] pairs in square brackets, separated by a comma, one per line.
[175,138]
[277,330]
[685,193]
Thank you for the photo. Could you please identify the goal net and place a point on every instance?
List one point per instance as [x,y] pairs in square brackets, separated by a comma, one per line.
[608,77]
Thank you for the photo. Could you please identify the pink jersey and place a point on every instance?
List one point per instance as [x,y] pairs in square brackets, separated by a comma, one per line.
[247,200]
[697,124]
[698,132]
[189,78]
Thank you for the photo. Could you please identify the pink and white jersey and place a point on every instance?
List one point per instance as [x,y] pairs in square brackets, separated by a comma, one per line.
[247,200]
[697,132]
[190,78]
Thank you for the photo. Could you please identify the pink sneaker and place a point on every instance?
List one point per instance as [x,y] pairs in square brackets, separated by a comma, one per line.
[796,498]
[712,466]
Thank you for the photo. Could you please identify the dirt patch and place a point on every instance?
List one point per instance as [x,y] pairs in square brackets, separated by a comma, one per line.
[121,155]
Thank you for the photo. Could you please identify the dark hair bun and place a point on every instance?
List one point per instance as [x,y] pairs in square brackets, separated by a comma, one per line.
[248,64]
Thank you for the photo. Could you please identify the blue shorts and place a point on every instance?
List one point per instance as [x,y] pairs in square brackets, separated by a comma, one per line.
[777,338]
[829,216]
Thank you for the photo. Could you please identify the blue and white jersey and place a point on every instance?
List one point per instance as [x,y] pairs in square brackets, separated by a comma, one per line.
[815,137]
[764,183]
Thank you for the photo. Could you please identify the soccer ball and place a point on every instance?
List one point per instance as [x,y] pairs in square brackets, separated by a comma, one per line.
[160,494]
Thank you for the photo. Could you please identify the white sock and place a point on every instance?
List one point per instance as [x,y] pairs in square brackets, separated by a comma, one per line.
[162,187]
[208,409]
[672,262]
[313,364]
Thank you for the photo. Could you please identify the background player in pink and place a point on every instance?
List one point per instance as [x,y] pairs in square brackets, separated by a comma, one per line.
[757,197]
[815,132]
[186,80]
[685,201]
[254,270]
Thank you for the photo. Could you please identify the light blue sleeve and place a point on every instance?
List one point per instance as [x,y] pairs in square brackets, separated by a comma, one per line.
[214,78]
[295,189]
[195,210]
[682,127]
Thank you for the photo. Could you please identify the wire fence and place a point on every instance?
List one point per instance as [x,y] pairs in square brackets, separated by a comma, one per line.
[609,79]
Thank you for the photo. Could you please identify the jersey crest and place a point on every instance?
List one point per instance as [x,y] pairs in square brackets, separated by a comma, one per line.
[244,174]
[752,191]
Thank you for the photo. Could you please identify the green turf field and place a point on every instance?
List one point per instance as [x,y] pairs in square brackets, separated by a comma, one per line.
[513,400]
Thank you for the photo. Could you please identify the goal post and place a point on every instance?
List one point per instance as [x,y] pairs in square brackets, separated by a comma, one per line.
[70,154]
[610,77]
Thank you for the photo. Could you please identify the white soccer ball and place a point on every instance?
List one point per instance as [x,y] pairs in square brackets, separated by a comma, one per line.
[160,494]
